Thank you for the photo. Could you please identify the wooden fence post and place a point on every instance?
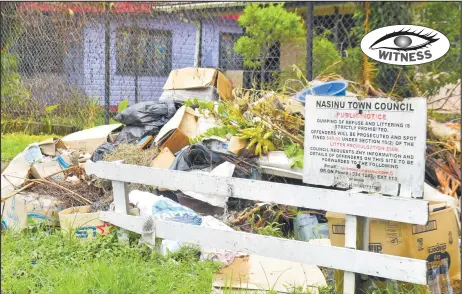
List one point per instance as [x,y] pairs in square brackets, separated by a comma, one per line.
[120,191]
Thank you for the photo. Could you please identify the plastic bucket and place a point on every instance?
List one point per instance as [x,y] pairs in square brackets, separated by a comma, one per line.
[333,88]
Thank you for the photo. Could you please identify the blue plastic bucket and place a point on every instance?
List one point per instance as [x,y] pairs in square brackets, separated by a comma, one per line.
[333,88]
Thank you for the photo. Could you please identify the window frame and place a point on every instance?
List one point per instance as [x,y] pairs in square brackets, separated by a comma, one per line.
[145,70]
[220,42]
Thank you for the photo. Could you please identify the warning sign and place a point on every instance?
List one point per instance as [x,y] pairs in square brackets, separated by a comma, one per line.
[373,144]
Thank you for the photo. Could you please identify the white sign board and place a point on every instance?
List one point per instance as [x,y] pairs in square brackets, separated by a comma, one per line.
[373,144]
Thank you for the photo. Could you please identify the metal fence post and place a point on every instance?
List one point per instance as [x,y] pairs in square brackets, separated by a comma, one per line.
[309,41]
[107,60]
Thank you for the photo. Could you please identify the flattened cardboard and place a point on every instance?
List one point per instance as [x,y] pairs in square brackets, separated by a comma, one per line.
[88,140]
[44,169]
[164,159]
[176,132]
[436,242]
[49,146]
[257,273]
[196,78]
[14,175]
[23,210]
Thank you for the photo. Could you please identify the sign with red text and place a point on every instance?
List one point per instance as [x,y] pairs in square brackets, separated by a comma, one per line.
[372,144]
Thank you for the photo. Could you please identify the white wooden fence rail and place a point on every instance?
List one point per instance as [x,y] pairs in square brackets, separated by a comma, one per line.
[353,204]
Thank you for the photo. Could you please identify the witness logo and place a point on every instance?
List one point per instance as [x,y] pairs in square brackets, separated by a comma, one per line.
[405,45]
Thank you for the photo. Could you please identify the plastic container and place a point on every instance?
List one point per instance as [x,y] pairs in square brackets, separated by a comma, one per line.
[306,227]
[333,88]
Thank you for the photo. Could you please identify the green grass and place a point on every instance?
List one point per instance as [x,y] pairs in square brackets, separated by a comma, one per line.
[45,262]
[14,143]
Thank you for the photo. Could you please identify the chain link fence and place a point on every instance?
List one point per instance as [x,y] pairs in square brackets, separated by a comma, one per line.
[63,63]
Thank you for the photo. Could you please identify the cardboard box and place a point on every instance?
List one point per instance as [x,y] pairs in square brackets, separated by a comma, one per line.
[49,146]
[436,242]
[210,93]
[236,77]
[164,159]
[236,145]
[176,132]
[24,210]
[85,224]
[87,141]
[44,169]
[199,78]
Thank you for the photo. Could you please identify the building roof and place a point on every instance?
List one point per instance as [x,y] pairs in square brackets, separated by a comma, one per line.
[89,7]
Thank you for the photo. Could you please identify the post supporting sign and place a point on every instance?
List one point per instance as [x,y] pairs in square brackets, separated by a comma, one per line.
[372,144]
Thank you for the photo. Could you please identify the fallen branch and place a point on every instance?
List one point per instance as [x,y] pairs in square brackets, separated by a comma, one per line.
[246,215]
[17,191]
[31,184]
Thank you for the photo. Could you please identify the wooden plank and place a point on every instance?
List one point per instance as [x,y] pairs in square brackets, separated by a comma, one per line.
[369,205]
[137,224]
[349,279]
[368,263]
[120,191]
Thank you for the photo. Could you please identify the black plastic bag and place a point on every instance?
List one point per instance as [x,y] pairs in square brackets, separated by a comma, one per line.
[196,156]
[105,148]
[132,134]
[153,113]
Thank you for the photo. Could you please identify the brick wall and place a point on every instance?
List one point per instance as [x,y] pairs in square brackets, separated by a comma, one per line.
[150,88]
[211,29]
[123,86]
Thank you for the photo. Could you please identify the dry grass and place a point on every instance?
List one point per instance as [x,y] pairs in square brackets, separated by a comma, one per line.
[131,154]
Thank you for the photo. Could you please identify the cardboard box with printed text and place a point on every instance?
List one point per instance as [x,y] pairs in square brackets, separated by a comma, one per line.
[436,242]
[23,210]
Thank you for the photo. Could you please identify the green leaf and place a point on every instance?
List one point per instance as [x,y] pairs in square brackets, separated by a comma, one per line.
[122,106]
[50,108]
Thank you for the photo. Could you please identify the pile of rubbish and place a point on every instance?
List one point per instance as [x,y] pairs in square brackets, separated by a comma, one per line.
[199,125]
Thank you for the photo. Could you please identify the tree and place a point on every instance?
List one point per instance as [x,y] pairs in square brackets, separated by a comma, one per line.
[445,18]
[264,28]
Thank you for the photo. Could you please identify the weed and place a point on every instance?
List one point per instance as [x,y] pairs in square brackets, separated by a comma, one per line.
[45,262]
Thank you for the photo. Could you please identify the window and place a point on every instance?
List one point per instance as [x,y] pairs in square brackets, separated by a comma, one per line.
[143,52]
[229,59]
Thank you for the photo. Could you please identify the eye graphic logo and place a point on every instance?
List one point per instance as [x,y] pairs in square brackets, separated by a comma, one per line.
[405,45]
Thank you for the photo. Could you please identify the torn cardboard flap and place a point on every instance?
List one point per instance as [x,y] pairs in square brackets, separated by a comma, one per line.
[89,140]
[236,77]
[14,175]
[176,132]
[194,78]
[49,146]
